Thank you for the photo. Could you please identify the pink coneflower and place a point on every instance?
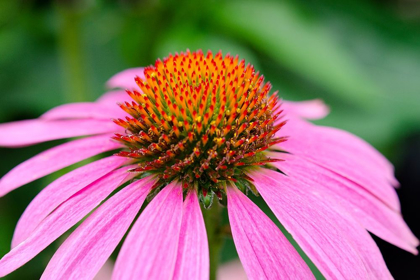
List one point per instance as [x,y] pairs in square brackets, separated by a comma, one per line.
[202,129]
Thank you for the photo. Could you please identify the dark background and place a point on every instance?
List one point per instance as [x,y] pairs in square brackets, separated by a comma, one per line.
[362,57]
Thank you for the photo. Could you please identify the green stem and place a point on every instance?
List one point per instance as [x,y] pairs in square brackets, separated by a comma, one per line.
[70,49]
[213,221]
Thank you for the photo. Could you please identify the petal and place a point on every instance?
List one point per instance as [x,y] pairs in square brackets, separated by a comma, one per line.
[55,159]
[345,154]
[340,139]
[263,249]
[192,261]
[29,132]
[112,98]
[150,249]
[233,270]
[59,191]
[125,79]
[337,245]
[61,220]
[105,272]
[84,111]
[83,254]
[369,211]
[310,109]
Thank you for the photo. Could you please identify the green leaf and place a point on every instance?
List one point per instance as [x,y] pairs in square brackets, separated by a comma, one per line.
[300,44]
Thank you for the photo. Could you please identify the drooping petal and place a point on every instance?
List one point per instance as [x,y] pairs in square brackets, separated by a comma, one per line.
[29,132]
[125,79]
[264,251]
[59,191]
[231,270]
[368,210]
[343,140]
[62,219]
[55,159]
[150,249]
[85,251]
[311,109]
[337,245]
[86,110]
[344,154]
[106,271]
[192,261]
[112,98]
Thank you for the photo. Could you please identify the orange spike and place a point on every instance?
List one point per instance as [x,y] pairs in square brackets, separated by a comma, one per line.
[176,130]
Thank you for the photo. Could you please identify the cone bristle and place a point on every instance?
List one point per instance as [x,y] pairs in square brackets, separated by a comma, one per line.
[199,117]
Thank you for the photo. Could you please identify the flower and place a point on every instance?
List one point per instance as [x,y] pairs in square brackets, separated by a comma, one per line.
[199,129]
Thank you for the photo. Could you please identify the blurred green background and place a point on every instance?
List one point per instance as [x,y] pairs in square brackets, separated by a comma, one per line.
[361,57]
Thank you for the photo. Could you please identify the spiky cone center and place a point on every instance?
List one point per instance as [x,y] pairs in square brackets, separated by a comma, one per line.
[202,120]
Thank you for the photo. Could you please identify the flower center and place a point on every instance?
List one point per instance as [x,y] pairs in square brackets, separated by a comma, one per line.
[200,119]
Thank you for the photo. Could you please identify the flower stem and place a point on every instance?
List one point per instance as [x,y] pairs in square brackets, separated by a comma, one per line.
[71,52]
[213,221]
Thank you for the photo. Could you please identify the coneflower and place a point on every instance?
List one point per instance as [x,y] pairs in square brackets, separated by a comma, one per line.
[202,129]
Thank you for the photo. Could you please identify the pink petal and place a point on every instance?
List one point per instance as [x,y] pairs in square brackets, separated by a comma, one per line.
[55,159]
[125,79]
[59,191]
[61,220]
[150,249]
[105,272]
[192,261]
[337,245]
[82,255]
[233,270]
[29,132]
[310,109]
[369,211]
[112,98]
[264,251]
[342,139]
[344,154]
[84,111]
